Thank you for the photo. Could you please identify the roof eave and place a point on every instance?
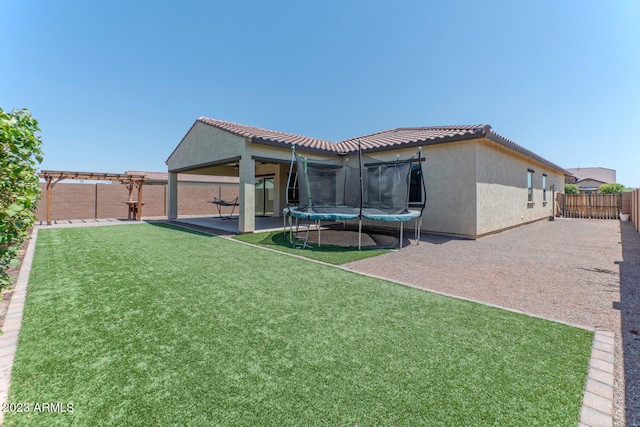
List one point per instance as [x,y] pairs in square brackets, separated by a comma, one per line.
[498,139]
[281,144]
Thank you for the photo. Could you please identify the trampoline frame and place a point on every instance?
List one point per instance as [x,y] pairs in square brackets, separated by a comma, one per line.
[318,217]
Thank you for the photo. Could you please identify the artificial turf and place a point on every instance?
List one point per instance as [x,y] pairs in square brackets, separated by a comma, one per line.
[331,254]
[151,325]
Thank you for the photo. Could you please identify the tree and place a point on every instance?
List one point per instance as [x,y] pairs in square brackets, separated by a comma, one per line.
[611,188]
[571,189]
[20,151]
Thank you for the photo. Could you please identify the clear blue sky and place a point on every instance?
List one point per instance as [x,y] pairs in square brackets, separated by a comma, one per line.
[115,85]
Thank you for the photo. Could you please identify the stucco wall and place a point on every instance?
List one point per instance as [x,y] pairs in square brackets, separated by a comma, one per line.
[197,148]
[478,187]
[502,188]
[450,176]
[206,144]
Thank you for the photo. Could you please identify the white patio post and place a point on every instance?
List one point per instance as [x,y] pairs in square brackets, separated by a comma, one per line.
[172,200]
[247,219]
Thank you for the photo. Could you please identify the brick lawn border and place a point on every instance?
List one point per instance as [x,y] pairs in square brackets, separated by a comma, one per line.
[13,320]
[597,403]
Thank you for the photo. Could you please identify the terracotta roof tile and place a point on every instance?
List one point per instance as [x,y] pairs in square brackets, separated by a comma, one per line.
[407,136]
[257,134]
[384,140]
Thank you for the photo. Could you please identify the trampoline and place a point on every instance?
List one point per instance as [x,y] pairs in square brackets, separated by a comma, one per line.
[354,187]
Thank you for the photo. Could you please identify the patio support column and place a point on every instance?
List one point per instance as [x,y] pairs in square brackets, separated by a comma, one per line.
[280,190]
[247,219]
[172,201]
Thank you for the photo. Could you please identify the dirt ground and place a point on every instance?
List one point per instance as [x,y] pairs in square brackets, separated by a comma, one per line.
[579,271]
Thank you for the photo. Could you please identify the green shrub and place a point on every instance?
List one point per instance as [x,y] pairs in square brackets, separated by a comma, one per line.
[20,151]
[571,189]
[611,188]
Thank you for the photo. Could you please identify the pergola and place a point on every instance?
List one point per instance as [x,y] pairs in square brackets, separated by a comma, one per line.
[131,181]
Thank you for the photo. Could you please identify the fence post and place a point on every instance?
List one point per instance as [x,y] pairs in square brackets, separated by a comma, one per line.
[636,203]
[634,207]
[632,203]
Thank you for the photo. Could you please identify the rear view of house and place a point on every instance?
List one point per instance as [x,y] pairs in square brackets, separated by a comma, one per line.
[477,181]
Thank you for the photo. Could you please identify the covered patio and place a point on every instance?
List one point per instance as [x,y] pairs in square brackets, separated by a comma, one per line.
[232,225]
[259,158]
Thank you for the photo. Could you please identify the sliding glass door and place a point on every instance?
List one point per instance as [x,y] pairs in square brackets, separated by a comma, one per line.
[264,196]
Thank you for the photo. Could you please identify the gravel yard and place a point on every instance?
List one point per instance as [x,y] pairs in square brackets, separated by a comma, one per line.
[578,271]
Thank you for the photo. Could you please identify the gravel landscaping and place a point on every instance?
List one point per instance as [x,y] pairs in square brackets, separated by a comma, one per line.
[579,271]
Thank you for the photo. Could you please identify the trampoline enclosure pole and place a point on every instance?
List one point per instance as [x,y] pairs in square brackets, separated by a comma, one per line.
[361,194]
[307,184]
[284,217]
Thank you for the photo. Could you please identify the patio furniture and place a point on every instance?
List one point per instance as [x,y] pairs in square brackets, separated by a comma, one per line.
[219,203]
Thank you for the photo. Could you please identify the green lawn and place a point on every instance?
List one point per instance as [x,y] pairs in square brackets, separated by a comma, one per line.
[152,325]
[331,254]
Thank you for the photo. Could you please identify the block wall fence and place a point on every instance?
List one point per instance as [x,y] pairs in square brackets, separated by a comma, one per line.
[87,201]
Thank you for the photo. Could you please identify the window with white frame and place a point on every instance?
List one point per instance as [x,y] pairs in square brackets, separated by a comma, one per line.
[530,185]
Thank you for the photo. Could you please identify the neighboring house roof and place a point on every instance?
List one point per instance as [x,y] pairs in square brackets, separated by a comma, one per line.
[590,180]
[379,141]
[186,177]
[603,175]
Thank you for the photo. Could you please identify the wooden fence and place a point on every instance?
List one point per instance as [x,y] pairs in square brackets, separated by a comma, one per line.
[596,206]
[635,208]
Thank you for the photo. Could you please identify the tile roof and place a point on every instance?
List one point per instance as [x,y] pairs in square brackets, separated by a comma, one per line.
[260,135]
[412,136]
[385,140]
[379,140]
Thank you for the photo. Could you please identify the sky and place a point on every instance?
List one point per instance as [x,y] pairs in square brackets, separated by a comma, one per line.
[115,85]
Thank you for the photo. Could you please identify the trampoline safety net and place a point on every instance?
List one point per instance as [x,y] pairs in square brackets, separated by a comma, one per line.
[354,184]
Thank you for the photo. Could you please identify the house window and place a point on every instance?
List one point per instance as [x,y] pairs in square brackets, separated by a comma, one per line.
[530,185]
[415,185]
[544,187]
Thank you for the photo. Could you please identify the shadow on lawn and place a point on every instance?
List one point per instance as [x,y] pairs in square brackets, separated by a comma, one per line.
[187,228]
[630,313]
[282,239]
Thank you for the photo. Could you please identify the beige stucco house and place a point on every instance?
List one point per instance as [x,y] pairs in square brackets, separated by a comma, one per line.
[477,181]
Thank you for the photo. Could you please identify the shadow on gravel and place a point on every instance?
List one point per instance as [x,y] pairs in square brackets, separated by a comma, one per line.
[630,313]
